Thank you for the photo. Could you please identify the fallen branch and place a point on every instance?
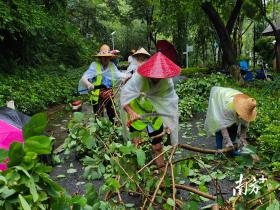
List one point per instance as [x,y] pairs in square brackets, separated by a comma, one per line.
[149,163]
[261,196]
[206,151]
[173,183]
[163,175]
[196,191]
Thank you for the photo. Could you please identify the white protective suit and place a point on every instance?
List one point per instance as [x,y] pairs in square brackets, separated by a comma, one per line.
[162,96]
[220,113]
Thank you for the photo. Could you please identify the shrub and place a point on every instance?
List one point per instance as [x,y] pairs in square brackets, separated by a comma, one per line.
[193,70]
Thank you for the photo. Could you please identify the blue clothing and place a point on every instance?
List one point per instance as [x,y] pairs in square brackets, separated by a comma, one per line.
[91,74]
[105,82]
[232,131]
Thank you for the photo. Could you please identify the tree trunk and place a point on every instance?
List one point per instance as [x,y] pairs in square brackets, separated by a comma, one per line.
[277,54]
[224,37]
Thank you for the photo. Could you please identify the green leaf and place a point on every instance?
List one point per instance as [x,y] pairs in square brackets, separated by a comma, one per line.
[141,157]
[71,171]
[32,188]
[24,203]
[36,125]
[60,176]
[192,205]
[274,205]
[88,141]
[38,144]
[20,168]
[170,202]
[3,155]
[248,149]
[107,157]
[16,154]
[78,116]
[129,205]
[6,192]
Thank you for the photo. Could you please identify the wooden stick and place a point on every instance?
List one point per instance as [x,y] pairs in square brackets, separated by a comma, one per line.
[193,190]
[261,196]
[149,163]
[206,151]
[234,202]
[163,175]
[119,194]
[173,183]
[144,205]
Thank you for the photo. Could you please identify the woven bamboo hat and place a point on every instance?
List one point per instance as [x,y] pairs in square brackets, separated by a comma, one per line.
[142,51]
[245,106]
[104,52]
[159,67]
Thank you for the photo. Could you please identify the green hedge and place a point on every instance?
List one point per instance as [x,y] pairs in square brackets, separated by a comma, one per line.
[193,70]
[33,90]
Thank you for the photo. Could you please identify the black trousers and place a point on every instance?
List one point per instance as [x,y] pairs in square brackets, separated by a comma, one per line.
[108,104]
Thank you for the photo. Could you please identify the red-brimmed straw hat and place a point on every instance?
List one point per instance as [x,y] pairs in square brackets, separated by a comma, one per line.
[160,67]
[105,52]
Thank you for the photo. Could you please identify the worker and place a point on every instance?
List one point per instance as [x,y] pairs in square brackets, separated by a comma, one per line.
[99,80]
[228,116]
[151,90]
[138,58]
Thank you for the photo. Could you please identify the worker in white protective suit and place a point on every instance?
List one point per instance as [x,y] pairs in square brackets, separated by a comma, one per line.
[151,90]
[228,116]
[137,59]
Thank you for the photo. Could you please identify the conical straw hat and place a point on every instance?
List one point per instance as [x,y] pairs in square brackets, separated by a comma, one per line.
[245,106]
[159,66]
[141,51]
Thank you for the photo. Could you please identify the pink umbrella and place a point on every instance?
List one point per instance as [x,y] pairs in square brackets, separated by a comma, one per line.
[11,123]
[8,135]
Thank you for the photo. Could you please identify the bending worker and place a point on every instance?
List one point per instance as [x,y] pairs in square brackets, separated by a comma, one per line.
[99,80]
[228,116]
[151,90]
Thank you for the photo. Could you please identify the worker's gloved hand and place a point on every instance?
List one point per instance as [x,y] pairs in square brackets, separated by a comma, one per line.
[134,116]
[127,77]
[90,87]
[242,142]
[226,137]
[228,143]
[168,130]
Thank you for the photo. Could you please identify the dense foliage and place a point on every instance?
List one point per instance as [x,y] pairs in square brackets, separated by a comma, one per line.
[34,90]
[194,93]
[26,183]
[38,32]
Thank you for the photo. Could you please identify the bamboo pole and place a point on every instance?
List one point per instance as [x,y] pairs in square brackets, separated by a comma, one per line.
[193,190]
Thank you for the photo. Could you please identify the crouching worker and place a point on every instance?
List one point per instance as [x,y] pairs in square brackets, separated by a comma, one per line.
[99,80]
[151,90]
[228,116]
